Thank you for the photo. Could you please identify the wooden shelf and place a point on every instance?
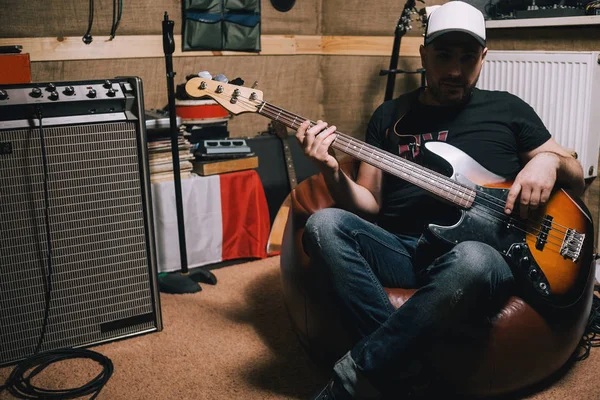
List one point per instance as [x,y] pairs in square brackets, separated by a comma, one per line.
[146,46]
[533,22]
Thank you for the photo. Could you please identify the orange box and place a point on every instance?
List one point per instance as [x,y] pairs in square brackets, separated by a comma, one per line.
[15,68]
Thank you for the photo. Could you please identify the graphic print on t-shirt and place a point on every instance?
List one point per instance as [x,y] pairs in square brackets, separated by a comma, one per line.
[409,145]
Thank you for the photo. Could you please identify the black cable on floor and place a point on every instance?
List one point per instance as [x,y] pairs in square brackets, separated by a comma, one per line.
[19,382]
[591,335]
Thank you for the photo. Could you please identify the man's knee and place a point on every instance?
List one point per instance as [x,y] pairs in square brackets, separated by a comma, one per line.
[476,261]
[325,223]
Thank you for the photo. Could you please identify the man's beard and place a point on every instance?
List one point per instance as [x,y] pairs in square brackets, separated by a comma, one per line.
[444,99]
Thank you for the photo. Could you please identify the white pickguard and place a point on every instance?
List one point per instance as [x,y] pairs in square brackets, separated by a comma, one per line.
[464,168]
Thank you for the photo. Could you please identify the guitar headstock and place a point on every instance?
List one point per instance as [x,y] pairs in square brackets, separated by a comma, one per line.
[424,14]
[235,99]
[405,19]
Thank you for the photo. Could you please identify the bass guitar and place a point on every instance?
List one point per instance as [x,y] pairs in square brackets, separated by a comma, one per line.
[550,253]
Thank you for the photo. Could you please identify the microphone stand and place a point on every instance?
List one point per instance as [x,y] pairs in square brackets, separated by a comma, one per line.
[182,281]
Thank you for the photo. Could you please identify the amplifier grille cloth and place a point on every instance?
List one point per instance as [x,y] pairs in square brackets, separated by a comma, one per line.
[99,259]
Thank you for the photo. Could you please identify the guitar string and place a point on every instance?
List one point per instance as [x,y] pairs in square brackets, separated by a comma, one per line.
[549,235]
[490,207]
[550,238]
[417,168]
[276,115]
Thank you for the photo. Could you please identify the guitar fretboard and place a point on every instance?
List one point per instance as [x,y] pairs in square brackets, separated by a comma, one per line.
[433,182]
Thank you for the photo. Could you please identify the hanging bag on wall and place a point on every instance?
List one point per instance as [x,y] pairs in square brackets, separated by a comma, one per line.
[221,25]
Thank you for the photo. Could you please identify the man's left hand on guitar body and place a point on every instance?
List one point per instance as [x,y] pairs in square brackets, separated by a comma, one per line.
[534,183]
[546,166]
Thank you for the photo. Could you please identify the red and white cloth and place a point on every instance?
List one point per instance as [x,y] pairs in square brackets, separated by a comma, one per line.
[225,216]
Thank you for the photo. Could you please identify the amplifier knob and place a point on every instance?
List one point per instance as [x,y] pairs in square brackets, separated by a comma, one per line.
[3,95]
[111,92]
[51,87]
[91,93]
[69,90]
[53,95]
[107,84]
[36,92]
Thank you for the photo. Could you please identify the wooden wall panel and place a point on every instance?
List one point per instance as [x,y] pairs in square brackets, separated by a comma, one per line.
[56,18]
[289,82]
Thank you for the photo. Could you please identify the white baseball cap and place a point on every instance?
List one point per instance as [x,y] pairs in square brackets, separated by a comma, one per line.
[455,16]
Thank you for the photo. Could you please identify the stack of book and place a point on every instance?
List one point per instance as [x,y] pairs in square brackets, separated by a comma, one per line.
[161,159]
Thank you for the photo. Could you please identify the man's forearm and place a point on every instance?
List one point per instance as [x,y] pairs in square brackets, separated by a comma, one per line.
[351,196]
[570,174]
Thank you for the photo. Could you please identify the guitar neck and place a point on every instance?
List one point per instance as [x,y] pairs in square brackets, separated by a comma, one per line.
[391,78]
[289,164]
[437,184]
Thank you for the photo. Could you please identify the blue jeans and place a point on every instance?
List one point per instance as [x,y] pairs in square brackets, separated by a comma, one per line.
[455,285]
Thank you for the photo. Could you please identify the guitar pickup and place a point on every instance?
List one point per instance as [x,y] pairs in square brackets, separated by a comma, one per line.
[542,237]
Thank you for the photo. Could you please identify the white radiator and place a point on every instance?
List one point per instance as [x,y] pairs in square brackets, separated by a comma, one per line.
[562,87]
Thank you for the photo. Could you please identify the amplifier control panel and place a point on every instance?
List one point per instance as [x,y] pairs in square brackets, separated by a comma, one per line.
[50,93]
[57,99]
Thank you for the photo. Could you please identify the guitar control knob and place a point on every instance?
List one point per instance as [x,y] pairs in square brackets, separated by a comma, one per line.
[525,262]
[53,95]
[517,248]
[534,274]
[3,94]
[91,93]
[36,92]
[111,92]
[69,91]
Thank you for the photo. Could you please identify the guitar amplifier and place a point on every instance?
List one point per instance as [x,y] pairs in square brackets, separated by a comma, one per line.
[77,256]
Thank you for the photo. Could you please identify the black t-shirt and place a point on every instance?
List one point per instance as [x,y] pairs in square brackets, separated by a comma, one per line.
[492,127]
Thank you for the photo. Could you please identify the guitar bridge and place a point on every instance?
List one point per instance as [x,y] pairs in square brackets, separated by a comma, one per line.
[572,244]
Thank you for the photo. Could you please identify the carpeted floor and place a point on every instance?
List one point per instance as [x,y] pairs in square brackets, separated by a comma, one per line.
[234,341]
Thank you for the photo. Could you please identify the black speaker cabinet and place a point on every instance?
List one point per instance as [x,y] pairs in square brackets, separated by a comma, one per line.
[76,230]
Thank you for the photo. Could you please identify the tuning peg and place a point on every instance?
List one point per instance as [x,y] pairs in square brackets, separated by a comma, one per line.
[205,75]
[220,78]
[255,85]
[237,81]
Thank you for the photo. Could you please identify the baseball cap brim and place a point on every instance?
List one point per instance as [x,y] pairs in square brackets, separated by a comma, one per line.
[437,34]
